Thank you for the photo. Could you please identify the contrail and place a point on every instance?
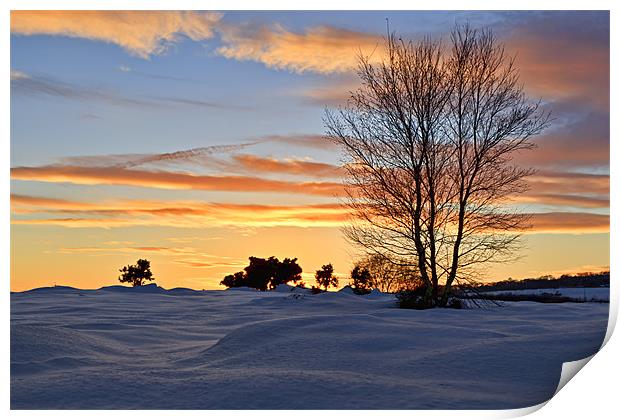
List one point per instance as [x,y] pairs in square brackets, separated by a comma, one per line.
[133,160]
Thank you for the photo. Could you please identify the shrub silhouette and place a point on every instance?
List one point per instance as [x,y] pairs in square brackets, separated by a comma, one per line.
[137,274]
[325,277]
[265,273]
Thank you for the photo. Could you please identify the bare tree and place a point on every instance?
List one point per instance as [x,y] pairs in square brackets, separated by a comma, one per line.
[428,140]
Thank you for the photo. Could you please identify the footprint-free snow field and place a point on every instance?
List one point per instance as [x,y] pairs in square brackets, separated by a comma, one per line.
[118,348]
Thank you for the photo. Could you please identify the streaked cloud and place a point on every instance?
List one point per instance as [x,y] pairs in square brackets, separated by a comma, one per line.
[546,187]
[321,49]
[187,256]
[192,214]
[179,214]
[141,33]
[569,200]
[169,180]
[563,183]
[198,155]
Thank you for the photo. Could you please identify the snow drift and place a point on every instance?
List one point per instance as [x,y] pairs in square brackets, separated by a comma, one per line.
[150,348]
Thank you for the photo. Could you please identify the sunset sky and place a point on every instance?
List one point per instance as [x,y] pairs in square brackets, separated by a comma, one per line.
[193,139]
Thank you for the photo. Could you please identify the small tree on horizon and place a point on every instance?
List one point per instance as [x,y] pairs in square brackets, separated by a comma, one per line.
[361,280]
[325,277]
[265,273]
[136,274]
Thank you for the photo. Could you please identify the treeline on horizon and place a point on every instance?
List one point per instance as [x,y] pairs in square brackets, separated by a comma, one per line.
[372,272]
[586,279]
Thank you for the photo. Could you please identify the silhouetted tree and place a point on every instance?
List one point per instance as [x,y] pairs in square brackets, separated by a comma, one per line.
[265,273]
[287,271]
[429,140]
[136,274]
[361,280]
[325,277]
[390,276]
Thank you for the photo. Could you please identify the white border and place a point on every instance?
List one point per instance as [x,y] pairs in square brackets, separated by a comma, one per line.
[593,394]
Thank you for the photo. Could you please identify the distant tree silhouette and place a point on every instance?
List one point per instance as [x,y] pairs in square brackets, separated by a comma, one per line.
[137,274]
[390,276]
[325,277]
[265,273]
[361,280]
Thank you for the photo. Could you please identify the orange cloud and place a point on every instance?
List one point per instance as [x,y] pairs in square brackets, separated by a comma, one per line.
[142,33]
[558,222]
[294,167]
[169,180]
[322,49]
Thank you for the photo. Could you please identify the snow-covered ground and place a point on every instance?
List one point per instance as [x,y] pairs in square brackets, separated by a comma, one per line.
[586,293]
[153,349]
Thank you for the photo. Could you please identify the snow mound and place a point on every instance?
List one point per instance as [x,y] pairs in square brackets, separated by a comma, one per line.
[53,289]
[347,290]
[378,294]
[283,288]
[147,288]
[184,291]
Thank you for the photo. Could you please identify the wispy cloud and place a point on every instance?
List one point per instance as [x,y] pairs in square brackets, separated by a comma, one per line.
[31,85]
[314,141]
[142,33]
[329,95]
[156,76]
